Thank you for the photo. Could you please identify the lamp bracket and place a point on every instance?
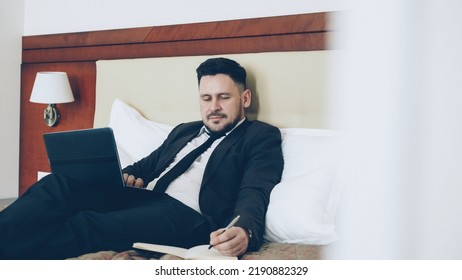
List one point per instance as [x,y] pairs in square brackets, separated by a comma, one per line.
[51,115]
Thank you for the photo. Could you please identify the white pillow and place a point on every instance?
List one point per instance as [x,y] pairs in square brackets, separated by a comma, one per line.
[305,149]
[302,206]
[136,136]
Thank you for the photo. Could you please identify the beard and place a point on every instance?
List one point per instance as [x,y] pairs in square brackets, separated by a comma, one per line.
[228,127]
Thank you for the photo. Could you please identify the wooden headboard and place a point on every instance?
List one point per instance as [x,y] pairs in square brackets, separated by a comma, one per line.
[77,53]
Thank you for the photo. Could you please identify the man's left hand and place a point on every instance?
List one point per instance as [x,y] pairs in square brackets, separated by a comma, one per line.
[232,242]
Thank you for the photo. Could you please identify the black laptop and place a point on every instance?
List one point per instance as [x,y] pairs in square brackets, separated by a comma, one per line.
[88,155]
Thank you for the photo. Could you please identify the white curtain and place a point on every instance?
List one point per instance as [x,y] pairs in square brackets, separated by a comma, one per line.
[396,95]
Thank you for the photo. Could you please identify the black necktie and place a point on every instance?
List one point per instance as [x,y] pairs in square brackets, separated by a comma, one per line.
[184,164]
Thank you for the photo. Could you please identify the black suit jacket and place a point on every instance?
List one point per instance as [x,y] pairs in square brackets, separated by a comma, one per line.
[238,178]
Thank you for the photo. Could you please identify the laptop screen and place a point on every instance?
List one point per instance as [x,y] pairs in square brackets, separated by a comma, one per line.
[88,155]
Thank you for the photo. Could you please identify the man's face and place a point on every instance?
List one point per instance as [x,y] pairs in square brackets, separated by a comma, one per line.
[222,103]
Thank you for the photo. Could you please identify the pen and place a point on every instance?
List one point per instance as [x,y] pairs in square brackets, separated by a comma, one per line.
[228,226]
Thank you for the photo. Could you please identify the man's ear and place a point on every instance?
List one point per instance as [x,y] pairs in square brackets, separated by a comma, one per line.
[247,98]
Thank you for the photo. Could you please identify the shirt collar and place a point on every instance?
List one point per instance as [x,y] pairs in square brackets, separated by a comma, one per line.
[204,129]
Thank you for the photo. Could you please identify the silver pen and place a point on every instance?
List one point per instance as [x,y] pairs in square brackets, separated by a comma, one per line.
[233,222]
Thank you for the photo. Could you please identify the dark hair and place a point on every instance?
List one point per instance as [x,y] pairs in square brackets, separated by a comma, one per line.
[221,65]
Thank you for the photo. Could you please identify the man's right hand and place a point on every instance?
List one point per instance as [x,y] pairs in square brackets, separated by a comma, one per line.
[131,181]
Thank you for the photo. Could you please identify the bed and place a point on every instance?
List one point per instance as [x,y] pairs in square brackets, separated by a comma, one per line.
[141,91]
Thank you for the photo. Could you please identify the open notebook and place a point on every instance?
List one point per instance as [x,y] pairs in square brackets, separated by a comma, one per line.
[200,252]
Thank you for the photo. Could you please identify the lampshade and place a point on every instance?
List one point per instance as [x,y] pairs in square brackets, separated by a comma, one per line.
[51,88]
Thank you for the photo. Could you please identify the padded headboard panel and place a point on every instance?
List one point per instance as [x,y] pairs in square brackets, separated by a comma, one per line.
[288,87]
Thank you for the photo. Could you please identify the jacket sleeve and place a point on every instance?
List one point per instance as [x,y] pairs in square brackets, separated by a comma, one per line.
[263,171]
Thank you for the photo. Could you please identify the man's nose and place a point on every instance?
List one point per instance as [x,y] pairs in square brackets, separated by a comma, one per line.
[215,106]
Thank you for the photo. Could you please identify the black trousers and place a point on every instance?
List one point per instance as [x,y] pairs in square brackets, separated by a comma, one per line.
[60,218]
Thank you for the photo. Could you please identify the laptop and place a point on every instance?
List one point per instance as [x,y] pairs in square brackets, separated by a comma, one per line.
[88,155]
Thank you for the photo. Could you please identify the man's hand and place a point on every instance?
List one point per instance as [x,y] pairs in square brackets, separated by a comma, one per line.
[131,181]
[232,242]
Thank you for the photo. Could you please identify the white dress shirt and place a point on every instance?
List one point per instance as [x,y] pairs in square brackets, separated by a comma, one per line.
[187,186]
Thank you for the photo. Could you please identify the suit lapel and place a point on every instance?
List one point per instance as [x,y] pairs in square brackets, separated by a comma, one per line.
[222,149]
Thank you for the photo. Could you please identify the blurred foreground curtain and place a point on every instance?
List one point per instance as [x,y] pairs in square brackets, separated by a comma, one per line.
[396,95]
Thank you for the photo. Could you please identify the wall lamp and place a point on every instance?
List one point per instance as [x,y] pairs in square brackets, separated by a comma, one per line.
[51,88]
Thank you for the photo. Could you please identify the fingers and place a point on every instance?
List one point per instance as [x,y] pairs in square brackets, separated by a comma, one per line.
[131,181]
[139,183]
[215,234]
[232,242]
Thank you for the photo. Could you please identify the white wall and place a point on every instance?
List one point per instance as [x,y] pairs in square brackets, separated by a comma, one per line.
[11,28]
[57,16]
